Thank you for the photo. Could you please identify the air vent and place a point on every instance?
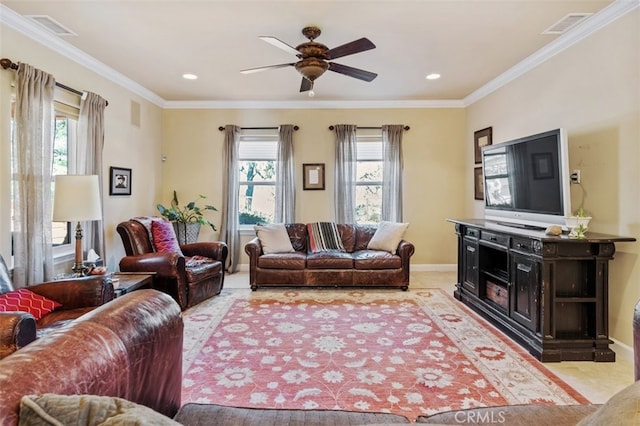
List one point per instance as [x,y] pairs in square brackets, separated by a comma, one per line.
[566,23]
[51,25]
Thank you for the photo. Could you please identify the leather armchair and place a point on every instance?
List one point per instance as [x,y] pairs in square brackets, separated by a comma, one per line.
[188,282]
[77,296]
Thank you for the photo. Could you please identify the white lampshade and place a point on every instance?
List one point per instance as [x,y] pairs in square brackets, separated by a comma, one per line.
[77,198]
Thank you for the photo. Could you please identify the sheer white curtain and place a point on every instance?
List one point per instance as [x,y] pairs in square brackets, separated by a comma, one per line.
[230,182]
[285,177]
[32,147]
[89,162]
[392,166]
[345,173]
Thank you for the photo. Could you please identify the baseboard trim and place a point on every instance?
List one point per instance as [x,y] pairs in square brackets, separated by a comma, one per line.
[622,351]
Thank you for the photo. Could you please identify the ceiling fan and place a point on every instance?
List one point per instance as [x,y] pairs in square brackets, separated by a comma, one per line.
[314,58]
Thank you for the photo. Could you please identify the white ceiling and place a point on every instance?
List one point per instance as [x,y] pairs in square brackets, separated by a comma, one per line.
[471,43]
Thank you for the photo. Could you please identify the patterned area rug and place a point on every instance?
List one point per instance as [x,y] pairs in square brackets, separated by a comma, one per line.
[408,353]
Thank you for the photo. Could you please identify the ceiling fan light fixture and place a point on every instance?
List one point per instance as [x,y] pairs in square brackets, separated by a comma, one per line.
[311,68]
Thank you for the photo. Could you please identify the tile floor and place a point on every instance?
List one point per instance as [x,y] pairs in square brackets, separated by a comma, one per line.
[597,381]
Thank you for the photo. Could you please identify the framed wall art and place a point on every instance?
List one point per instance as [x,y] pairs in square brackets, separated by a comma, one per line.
[313,176]
[481,138]
[478,183]
[119,181]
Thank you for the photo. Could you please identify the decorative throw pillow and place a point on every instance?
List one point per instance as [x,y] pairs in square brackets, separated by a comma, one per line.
[24,300]
[324,236]
[274,238]
[388,236]
[51,409]
[164,237]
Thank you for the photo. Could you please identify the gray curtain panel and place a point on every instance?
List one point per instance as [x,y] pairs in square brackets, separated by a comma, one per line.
[285,177]
[345,173]
[33,156]
[392,165]
[89,161]
[230,180]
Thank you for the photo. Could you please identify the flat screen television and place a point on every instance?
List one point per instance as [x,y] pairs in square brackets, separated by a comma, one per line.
[526,180]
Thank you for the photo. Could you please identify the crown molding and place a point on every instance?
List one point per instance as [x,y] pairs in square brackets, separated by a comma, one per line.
[312,104]
[599,20]
[596,22]
[55,43]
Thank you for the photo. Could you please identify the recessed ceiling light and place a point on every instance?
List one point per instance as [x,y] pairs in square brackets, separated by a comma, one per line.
[433,76]
[189,76]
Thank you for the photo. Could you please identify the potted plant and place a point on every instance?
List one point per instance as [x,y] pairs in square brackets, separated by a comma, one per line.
[186,219]
[577,224]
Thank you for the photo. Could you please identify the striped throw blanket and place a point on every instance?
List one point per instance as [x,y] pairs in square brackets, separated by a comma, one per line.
[324,236]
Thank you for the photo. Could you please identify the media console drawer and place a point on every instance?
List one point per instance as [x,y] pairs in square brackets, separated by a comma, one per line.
[497,294]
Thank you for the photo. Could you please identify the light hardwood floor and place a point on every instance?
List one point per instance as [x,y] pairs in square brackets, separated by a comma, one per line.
[597,381]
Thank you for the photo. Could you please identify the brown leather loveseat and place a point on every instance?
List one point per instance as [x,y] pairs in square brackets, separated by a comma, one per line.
[129,348]
[356,266]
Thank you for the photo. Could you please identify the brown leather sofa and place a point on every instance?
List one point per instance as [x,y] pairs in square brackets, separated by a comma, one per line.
[189,283]
[129,348]
[357,266]
[77,296]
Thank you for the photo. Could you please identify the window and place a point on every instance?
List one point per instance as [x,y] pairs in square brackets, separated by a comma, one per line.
[257,156]
[64,138]
[368,176]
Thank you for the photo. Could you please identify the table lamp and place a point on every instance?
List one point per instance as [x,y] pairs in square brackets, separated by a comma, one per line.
[77,198]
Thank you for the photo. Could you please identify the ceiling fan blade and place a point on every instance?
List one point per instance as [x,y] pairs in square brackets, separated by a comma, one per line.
[352,72]
[306,85]
[270,67]
[280,44]
[355,46]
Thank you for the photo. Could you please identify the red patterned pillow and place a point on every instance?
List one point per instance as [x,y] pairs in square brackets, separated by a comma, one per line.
[24,300]
[164,237]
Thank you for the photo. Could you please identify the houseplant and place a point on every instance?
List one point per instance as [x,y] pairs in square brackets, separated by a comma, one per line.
[186,219]
[577,224]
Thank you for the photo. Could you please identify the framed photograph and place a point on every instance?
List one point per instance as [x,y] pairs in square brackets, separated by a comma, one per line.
[481,138]
[119,181]
[313,176]
[542,165]
[478,183]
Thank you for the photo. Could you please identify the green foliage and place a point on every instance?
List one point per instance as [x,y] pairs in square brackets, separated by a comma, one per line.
[248,218]
[190,213]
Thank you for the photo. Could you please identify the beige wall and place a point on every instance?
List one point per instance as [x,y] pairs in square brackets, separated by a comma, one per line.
[125,145]
[433,151]
[593,91]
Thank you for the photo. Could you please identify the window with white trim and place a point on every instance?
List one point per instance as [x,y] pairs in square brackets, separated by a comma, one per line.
[257,155]
[368,176]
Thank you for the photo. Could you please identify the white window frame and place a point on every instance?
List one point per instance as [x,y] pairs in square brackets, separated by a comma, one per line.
[369,149]
[257,145]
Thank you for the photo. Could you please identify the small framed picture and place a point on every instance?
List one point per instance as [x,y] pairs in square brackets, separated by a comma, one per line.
[478,184]
[119,181]
[481,138]
[313,176]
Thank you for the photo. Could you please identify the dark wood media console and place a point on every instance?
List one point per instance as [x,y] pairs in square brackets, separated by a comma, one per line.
[549,294]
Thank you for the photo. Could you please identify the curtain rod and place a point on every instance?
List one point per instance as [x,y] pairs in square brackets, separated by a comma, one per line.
[221,128]
[9,64]
[371,128]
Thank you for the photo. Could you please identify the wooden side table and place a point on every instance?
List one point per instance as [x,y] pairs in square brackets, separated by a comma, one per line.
[126,282]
